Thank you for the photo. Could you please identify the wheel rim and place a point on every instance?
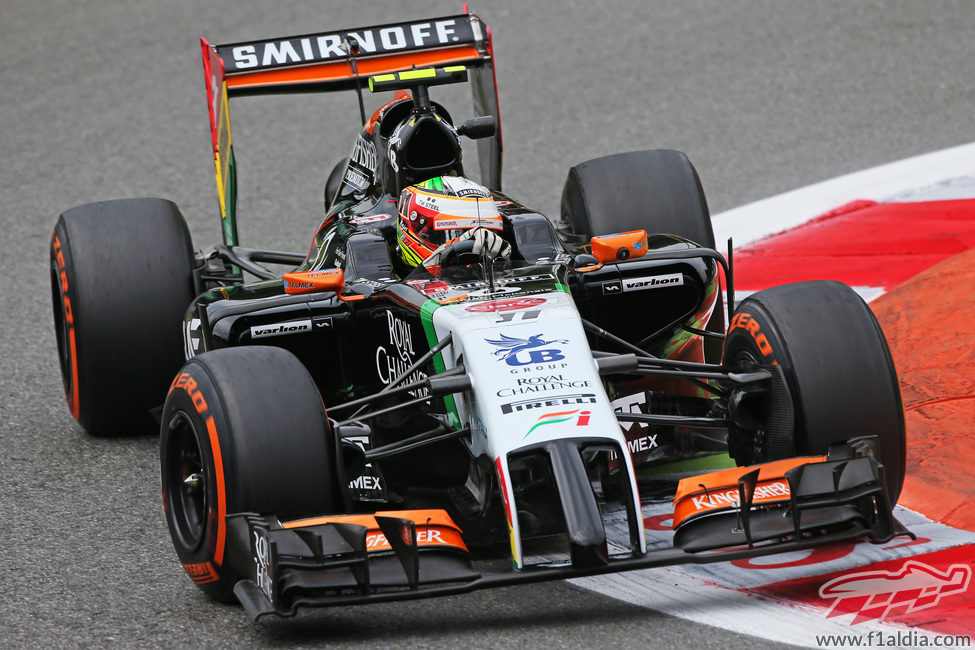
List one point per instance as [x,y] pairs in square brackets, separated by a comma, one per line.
[754,451]
[186,480]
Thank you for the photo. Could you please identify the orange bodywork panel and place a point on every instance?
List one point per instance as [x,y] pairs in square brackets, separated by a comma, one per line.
[399,96]
[715,491]
[619,246]
[342,69]
[312,281]
[434,528]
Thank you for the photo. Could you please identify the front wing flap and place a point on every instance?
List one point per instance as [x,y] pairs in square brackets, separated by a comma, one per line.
[788,499]
[402,555]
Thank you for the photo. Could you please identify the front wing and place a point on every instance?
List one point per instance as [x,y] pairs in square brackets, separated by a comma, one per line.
[402,555]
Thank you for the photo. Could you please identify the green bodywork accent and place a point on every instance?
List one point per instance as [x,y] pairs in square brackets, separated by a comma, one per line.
[699,322]
[538,424]
[561,287]
[701,463]
[426,317]
[683,336]
[230,202]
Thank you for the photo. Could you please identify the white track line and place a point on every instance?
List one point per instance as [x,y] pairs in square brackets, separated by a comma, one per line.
[755,221]
[714,594]
[689,592]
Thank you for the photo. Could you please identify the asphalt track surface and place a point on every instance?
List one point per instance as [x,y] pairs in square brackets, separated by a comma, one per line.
[106,99]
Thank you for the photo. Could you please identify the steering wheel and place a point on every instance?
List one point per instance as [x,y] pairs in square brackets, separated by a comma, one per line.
[459,254]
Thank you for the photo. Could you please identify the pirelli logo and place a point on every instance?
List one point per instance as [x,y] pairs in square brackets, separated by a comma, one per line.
[201,572]
[546,402]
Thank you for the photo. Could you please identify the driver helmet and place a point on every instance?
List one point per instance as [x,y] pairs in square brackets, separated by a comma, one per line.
[439,210]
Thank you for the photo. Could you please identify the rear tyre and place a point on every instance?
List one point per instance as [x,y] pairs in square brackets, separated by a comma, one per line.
[334,182]
[657,190]
[243,430]
[836,364]
[121,281]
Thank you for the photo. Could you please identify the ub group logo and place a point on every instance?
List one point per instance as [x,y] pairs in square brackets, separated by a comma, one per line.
[872,595]
[523,352]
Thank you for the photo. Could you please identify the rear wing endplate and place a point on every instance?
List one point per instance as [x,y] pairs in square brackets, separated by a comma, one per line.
[322,62]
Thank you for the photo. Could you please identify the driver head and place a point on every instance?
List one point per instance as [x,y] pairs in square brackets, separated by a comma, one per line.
[437,211]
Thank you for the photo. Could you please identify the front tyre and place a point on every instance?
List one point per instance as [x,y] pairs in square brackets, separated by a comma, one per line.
[837,368]
[243,430]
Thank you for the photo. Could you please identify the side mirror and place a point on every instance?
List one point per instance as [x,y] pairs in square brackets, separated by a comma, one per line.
[620,246]
[312,281]
[478,127]
[585,262]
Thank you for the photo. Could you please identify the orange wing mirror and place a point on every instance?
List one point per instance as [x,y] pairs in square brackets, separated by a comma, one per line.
[620,246]
[311,281]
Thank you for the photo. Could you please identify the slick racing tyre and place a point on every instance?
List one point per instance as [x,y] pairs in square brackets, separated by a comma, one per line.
[334,182]
[121,280]
[657,190]
[243,430]
[836,365]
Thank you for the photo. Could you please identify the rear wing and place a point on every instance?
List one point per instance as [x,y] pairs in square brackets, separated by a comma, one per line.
[323,62]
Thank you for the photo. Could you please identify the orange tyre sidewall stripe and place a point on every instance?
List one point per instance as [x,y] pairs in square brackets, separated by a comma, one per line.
[73,402]
[68,315]
[221,492]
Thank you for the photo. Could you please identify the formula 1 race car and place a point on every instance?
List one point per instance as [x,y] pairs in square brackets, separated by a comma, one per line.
[363,428]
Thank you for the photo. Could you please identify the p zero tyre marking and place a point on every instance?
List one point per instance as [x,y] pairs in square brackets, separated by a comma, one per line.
[73,400]
[201,572]
[221,492]
[189,385]
[67,317]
